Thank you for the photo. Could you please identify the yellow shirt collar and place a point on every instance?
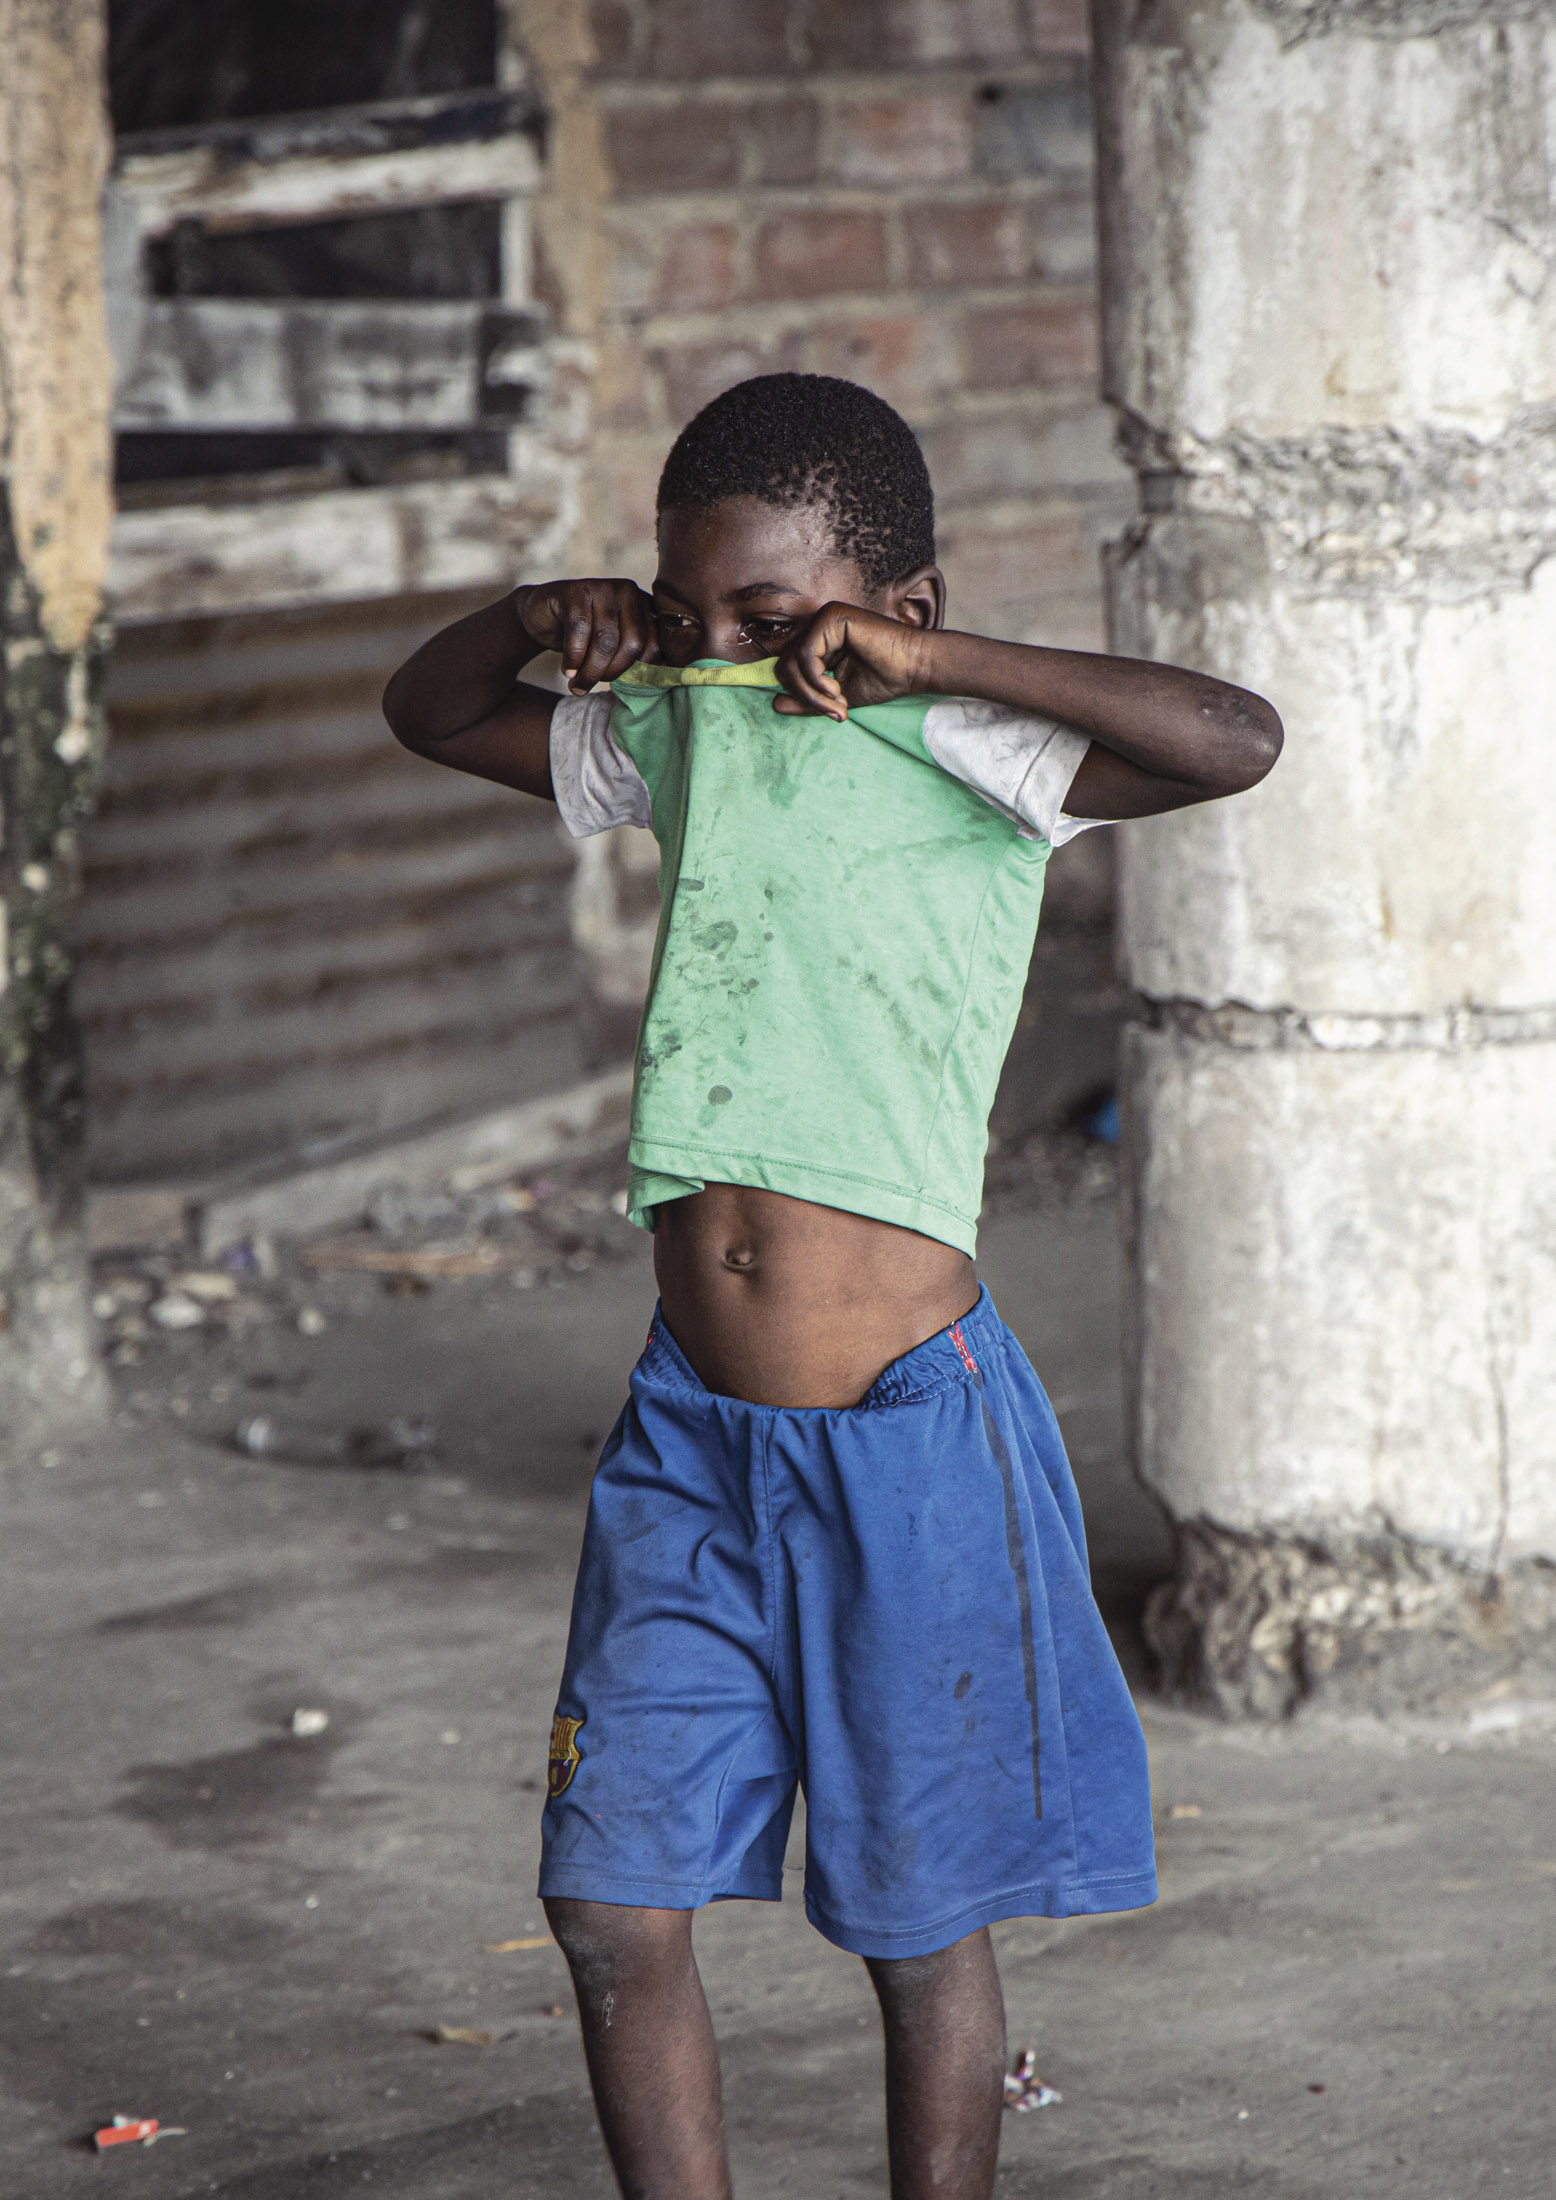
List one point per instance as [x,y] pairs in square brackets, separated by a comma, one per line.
[709,672]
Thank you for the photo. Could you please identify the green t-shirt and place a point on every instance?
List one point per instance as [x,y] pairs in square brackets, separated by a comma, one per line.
[843,942]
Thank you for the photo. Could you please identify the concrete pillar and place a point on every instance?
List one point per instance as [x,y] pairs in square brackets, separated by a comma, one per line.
[1329,232]
[55,509]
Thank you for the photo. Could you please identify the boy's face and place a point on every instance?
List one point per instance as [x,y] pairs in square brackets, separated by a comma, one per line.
[738,580]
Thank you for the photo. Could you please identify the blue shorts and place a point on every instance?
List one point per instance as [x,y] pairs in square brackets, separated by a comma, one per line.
[887,1604]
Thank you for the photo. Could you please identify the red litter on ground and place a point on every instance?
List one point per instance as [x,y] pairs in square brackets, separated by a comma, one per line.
[142,2131]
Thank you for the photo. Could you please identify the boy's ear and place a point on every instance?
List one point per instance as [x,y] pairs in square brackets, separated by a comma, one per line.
[918,599]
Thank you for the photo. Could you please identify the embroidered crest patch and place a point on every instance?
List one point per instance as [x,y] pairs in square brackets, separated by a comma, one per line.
[563,1759]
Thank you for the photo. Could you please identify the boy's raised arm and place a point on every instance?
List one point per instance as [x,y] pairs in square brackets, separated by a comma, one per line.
[1161,737]
[460,701]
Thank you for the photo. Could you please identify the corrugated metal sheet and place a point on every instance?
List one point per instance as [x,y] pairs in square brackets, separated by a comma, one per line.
[291,930]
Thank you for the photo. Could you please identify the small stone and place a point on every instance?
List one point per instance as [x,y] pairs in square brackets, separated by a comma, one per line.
[206,1285]
[175,1310]
[307,1722]
[310,1322]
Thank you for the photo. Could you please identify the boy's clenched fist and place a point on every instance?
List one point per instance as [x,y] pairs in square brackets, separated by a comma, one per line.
[598,627]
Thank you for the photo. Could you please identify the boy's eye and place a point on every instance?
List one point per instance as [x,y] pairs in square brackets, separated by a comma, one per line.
[767,630]
[672,619]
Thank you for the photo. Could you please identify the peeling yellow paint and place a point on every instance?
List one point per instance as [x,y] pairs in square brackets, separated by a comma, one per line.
[555,40]
[56,378]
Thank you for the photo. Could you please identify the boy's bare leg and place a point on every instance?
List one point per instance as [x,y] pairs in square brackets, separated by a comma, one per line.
[944,2017]
[653,2061]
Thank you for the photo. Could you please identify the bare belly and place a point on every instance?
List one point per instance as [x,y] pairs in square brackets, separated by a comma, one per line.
[785,1303]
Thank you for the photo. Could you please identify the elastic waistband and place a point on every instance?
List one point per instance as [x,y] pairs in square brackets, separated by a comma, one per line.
[953,1357]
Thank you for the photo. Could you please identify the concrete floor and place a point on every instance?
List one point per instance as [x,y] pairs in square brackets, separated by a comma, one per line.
[1343,1990]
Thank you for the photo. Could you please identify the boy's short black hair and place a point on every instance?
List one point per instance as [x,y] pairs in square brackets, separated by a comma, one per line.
[795,439]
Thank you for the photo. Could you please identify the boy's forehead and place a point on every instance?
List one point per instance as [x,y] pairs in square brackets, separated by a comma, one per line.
[744,544]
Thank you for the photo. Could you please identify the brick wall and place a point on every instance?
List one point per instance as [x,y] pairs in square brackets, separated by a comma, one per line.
[894,190]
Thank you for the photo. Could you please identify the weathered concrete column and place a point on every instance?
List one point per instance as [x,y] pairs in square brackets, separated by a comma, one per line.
[55,389]
[1330,323]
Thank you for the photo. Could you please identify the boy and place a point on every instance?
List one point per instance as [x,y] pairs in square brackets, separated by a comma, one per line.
[834,1538]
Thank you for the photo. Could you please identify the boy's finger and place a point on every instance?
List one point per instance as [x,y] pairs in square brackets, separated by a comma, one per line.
[543,616]
[604,642]
[638,631]
[812,685]
[787,707]
[630,650]
[623,636]
[639,624]
[825,640]
[819,655]
[802,668]
[575,638]
[812,701]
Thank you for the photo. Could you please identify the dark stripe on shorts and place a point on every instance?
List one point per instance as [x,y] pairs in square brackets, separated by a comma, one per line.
[1016,1552]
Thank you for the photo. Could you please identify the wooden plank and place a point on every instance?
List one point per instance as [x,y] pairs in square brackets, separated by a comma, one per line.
[384,942]
[472,115]
[177,905]
[302,168]
[351,1017]
[584,1118]
[163,759]
[165,189]
[241,1110]
[162,1133]
[350,806]
[215,670]
[342,546]
[258,364]
[579,1118]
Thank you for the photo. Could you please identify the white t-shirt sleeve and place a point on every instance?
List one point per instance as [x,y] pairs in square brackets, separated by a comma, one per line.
[1021,764]
[595,782]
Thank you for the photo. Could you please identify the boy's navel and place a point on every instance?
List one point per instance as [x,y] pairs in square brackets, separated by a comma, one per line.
[740,1258]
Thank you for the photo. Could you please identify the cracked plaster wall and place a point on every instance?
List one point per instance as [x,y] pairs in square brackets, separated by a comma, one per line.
[1329,247]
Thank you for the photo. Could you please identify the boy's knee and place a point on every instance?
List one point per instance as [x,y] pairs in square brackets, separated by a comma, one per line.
[607,1942]
[908,1985]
